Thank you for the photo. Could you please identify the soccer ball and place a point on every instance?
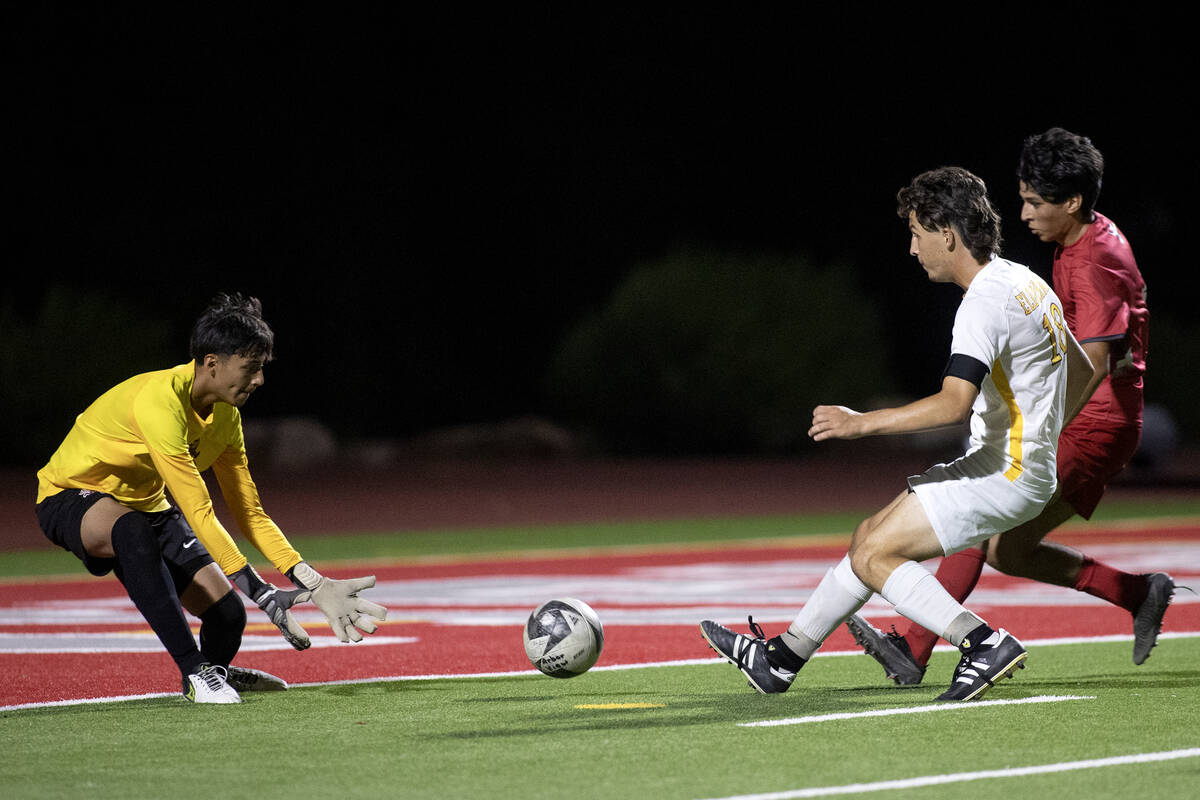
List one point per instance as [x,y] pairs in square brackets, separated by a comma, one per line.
[563,637]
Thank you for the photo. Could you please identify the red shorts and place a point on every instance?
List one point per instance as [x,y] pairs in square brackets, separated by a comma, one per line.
[1091,451]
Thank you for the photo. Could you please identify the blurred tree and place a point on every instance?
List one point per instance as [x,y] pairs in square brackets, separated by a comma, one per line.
[718,352]
[58,357]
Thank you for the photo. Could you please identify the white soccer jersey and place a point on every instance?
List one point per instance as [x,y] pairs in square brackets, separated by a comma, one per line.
[1011,321]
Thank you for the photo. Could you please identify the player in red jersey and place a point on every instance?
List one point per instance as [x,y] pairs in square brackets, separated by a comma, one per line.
[1104,304]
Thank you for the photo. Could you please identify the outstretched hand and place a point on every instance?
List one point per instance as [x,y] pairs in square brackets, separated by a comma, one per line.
[835,422]
[349,615]
[275,603]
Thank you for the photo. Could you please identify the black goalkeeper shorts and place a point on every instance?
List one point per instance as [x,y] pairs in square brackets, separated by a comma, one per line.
[61,516]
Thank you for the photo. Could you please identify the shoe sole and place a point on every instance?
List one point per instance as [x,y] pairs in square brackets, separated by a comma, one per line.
[863,640]
[1007,672]
[252,680]
[717,650]
[259,686]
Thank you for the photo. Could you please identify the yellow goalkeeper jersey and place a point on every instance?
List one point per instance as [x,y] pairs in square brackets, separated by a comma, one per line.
[142,439]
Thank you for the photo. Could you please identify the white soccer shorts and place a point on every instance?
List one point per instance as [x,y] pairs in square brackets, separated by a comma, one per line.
[969,500]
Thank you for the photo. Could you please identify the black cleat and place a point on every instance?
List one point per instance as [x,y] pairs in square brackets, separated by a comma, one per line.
[749,654]
[244,679]
[982,666]
[1147,620]
[889,649]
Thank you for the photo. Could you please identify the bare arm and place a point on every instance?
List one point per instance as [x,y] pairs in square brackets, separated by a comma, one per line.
[1087,366]
[950,406]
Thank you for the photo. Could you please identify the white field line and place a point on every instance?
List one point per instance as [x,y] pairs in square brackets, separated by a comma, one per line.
[888,712]
[960,777]
[532,672]
[83,701]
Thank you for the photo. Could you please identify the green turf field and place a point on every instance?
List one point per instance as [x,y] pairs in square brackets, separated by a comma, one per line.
[650,732]
[527,737]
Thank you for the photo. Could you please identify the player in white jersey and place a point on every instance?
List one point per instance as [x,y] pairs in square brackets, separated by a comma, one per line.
[1009,340]
[1017,367]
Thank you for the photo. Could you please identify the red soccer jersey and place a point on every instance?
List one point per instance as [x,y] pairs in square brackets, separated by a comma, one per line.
[1104,299]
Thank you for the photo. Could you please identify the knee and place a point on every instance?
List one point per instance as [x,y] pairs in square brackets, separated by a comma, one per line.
[227,613]
[865,552]
[865,564]
[132,537]
[221,629]
[1004,556]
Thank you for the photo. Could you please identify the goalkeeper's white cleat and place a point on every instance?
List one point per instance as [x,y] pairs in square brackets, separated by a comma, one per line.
[208,685]
[244,679]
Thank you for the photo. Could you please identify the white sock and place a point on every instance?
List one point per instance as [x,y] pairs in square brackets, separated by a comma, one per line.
[839,594]
[916,594]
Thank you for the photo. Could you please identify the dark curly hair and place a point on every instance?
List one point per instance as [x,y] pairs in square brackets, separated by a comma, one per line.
[1059,164]
[232,325]
[952,197]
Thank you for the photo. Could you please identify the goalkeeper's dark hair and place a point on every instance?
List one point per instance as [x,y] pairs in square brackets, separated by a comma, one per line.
[952,197]
[232,325]
[1059,164]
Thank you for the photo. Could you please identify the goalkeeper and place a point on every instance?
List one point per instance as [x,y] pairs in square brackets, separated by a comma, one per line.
[103,496]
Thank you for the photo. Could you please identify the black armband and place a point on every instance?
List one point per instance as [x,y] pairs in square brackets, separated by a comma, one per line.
[968,368]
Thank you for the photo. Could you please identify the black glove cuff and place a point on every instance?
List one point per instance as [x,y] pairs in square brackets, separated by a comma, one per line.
[247,579]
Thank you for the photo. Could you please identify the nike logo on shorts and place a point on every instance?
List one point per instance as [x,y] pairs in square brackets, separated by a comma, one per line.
[188,543]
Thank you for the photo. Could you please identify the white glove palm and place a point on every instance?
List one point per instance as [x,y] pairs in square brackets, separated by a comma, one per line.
[339,602]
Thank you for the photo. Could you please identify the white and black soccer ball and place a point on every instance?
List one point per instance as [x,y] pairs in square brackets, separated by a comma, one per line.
[563,637]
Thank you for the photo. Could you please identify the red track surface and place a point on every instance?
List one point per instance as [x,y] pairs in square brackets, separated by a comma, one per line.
[462,649]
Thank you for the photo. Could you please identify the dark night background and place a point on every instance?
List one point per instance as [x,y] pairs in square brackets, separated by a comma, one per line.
[427,204]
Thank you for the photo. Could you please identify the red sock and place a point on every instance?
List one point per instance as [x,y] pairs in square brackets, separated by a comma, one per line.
[1117,587]
[958,574]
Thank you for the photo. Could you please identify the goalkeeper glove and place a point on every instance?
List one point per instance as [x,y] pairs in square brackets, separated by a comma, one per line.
[275,603]
[339,601]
